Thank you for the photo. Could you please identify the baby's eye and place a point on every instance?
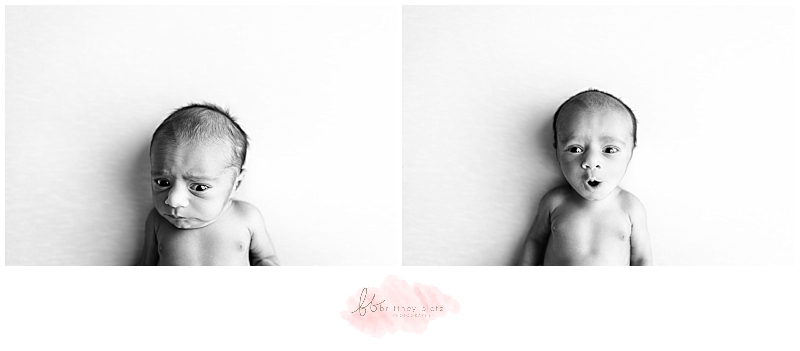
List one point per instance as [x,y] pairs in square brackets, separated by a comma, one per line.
[611,149]
[161,182]
[199,187]
[575,149]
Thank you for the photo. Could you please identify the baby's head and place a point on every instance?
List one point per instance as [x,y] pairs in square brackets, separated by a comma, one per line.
[594,136]
[196,164]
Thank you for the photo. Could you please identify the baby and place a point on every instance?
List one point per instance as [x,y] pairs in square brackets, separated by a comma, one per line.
[196,159]
[591,221]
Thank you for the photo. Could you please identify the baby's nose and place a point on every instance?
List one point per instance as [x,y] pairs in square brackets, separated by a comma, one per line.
[591,162]
[176,198]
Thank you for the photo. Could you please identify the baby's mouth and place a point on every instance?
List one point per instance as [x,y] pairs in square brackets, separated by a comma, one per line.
[593,183]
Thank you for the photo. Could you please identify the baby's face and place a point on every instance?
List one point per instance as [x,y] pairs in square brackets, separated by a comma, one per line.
[192,184]
[594,148]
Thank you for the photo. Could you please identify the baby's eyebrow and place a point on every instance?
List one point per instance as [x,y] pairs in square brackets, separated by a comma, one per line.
[602,138]
[193,176]
[608,138]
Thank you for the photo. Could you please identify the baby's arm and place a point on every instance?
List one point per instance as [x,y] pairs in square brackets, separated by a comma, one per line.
[640,238]
[262,253]
[536,242]
[150,250]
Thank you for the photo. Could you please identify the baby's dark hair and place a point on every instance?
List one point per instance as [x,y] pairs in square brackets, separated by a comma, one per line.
[204,122]
[593,98]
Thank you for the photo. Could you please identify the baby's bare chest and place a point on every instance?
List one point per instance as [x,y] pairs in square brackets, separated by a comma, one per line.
[577,225]
[212,245]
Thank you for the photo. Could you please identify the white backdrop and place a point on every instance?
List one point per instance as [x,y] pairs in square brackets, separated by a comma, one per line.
[317,89]
[712,88]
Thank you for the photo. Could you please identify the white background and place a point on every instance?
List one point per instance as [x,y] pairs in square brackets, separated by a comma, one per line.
[712,88]
[317,90]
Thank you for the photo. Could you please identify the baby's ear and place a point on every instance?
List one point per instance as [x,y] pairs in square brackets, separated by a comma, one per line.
[239,179]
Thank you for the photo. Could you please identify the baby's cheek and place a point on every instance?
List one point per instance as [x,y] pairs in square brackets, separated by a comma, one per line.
[573,174]
[158,201]
[210,209]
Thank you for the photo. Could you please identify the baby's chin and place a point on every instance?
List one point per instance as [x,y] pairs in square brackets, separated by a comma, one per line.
[182,225]
[186,223]
[593,197]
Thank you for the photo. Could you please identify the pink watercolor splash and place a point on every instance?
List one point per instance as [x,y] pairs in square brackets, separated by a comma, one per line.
[396,305]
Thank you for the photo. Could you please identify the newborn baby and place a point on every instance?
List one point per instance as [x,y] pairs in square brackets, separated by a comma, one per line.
[591,221]
[196,160]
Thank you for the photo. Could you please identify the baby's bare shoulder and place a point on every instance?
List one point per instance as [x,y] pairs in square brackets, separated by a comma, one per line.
[246,212]
[630,203]
[556,196]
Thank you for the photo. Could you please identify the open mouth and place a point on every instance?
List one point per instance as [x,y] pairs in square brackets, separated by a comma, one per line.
[593,183]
